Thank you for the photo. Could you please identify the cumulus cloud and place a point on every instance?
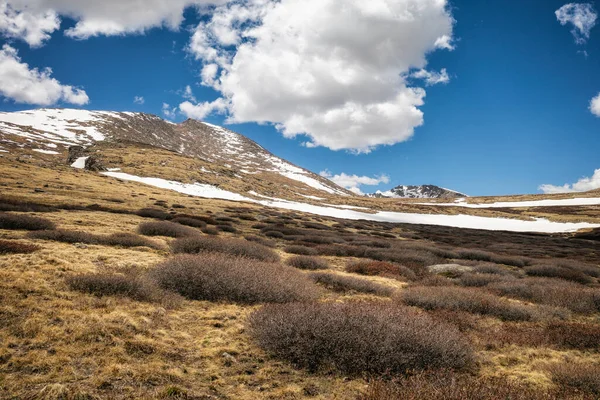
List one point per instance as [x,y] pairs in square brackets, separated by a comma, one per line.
[582,16]
[582,185]
[431,77]
[333,70]
[139,100]
[34,20]
[23,84]
[201,110]
[168,111]
[595,105]
[354,182]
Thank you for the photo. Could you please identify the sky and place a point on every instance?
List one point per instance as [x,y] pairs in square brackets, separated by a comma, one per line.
[485,98]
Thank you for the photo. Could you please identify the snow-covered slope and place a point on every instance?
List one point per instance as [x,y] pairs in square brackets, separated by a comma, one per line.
[52,130]
[418,192]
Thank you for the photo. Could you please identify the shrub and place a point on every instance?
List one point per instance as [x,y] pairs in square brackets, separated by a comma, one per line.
[380,268]
[357,338]
[137,288]
[301,250]
[14,247]
[584,378]
[493,269]
[209,230]
[274,234]
[449,385]
[129,240]
[307,262]
[24,222]
[165,228]
[479,255]
[60,235]
[553,271]
[234,247]
[193,222]
[226,228]
[260,240]
[218,277]
[552,292]
[470,300]
[480,280]
[573,335]
[341,283]
[153,213]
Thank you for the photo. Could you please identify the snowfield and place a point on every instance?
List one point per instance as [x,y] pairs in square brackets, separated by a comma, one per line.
[79,163]
[515,204]
[459,221]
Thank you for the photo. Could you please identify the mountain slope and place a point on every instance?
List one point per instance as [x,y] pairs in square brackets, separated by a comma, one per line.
[418,192]
[52,131]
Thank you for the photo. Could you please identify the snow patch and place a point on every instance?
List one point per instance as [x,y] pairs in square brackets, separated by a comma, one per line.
[46,151]
[79,163]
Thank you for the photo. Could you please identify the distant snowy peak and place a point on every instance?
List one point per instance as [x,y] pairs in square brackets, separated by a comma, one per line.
[418,192]
[61,128]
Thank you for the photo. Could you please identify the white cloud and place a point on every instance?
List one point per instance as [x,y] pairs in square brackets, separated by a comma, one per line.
[139,100]
[201,110]
[431,77]
[34,20]
[333,70]
[582,185]
[168,111]
[32,28]
[354,182]
[595,105]
[23,84]
[188,94]
[582,16]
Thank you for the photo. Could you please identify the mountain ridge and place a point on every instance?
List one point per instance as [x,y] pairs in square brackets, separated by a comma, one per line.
[418,192]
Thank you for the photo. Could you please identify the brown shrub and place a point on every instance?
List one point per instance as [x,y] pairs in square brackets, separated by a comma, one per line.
[260,240]
[219,277]
[14,247]
[165,228]
[553,271]
[24,222]
[573,335]
[358,338]
[380,268]
[449,385]
[138,288]
[479,255]
[153,213]
[193,222]
[129,240]
[552,292]
[584,378]
[470,300]
[301,250]
[226,228]
[490,268]
[209,230]
[274,234]
[60,235]
[307,262]
[341,283]
[480,280]
[234,247]
[588,269]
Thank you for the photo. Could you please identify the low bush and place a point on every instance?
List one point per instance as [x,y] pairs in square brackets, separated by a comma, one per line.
[60,235]
[588,269]
[226,228]
[193,222]
[260,240]
[138,288]
[490,268]
[573,335]
[24,222]
[153,213]
[341,283]
[14,247]
[209,230]
[219,277]
[165,228]
[470,300]
[274,234]
[585,378]
[357,338]
[301,250]
[553,271]
[479,255]
[307,262]
[234,247]
[481,280]
[552,292]
[380,268]
[449,385]
[129,240]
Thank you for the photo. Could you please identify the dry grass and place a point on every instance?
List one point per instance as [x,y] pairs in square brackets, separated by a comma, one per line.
[217,277]
[234,247]
[358,338]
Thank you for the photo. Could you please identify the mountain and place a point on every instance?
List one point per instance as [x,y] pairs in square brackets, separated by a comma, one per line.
[418,192]
[224,157]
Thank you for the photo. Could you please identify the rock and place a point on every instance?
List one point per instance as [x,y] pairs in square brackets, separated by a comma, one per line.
[449,268]
[93,164]
[74,153]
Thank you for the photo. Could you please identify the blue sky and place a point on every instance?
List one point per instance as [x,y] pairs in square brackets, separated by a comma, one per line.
[514,115]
